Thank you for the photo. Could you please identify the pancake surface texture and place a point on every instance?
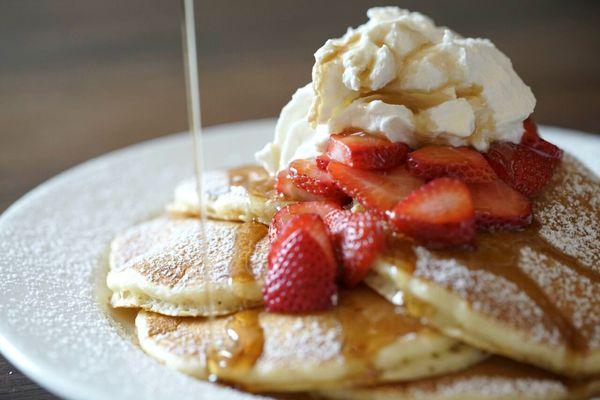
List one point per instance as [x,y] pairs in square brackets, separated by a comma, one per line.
[532,295]
[237,194]
[158,266]
[495,378]
[364,340]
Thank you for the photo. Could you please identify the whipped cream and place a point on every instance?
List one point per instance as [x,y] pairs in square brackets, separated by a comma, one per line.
[401,76]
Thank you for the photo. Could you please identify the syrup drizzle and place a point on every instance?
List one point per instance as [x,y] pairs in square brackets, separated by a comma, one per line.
[247,237]
[254,179]
[370,323]
[243,344]
[188,29]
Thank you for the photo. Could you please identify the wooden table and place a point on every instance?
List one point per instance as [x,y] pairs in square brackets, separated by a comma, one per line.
[78,79]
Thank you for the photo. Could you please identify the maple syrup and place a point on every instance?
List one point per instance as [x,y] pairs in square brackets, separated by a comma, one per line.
[242,346]
[188,28]
[254,179]
[247,237]
[370,323]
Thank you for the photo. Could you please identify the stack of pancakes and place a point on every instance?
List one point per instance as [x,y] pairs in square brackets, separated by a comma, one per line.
[518,317]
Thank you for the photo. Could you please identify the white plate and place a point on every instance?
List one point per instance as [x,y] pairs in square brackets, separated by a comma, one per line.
[53,243]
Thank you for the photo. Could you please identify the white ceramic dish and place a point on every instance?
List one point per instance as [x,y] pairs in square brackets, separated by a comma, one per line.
[54,324]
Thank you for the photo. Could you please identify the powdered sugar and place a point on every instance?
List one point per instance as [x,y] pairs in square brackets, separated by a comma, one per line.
[489,294]
[576,296]
[168,252]
[310,339]
[495,377]
[498,387]
[564,212]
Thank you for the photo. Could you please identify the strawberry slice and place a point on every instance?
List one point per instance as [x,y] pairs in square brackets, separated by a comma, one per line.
[498,206]
[307,176]
[464,163]
[286,187]
[358,239]
[364,151]
[379,190]
[524,169]
[322,162]
[439,214]
[532,139]
[320,208]
[302,269]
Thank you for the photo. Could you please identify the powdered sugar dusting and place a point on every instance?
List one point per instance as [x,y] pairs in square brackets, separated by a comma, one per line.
[489,294]
[497,387]
[168,252]
[495,378]
[569,212]
[308,339]
[576,296]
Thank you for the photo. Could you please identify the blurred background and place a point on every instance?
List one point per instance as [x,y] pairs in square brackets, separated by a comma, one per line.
[80,78]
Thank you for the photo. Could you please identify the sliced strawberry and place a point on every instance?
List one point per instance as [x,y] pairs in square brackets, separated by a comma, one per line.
[320,208]
[524,169]
[532,139]
[379,190]
[302,269]
[307,176]
[464,163]
[286,187]
[498,206]
[336,223]
[322,162]
[364,151]
[358,238]
[439,214]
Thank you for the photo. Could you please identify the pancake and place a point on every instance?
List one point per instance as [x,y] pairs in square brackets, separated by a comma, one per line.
[238,194]
[533,295]
[158,266]
[495,378]
[364,340]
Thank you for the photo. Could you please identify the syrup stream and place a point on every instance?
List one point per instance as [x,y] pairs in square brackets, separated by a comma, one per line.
[188,30]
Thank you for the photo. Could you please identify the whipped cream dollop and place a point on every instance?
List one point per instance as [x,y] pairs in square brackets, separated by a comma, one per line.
[401,76]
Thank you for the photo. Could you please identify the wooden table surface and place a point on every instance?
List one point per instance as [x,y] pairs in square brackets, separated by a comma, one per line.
[78,79]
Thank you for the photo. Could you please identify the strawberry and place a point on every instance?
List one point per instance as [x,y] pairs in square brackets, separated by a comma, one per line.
[379,190]
[322,162]
[302,269]
[286,187]
[336,223]
[524,169]
[459,162]
[532,139]
[307,176]
[360,150]
[321,208]
[498,206]
[439,214]
[358,238]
